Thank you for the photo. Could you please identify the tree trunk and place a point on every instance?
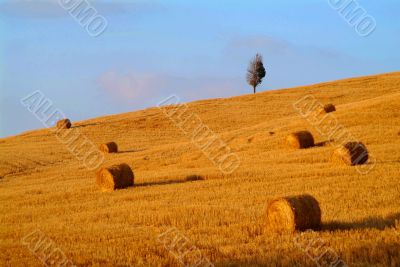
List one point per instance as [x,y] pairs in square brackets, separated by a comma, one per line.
[254,88]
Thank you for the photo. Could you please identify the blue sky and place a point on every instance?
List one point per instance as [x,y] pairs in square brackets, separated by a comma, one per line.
[194,49]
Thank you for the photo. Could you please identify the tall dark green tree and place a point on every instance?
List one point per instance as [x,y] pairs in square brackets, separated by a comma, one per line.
[256,72]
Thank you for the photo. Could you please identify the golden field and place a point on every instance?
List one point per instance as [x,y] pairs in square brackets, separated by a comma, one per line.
[44,187]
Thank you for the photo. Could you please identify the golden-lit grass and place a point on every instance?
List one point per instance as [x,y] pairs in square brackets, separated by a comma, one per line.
[43,186]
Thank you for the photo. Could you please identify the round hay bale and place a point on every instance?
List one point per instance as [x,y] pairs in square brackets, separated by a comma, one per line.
[328,108]
[110,147]
[64,124]
[352,153]
[293,213]
[299,140]
[115,177]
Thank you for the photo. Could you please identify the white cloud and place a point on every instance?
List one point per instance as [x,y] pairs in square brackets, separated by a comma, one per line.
[129,86]
[136,87]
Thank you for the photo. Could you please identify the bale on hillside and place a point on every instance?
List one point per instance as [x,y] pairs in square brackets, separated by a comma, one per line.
[293,213]
[110,147]
[115,177]
[64,124]
[328,108]
[352,153]
[298,140]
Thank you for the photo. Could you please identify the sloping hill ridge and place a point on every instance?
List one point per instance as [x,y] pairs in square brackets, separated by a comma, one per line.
[43,186]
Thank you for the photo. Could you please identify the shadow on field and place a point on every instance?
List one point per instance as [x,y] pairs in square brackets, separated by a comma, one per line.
[189,178]
[325,143]
[376,254]
[383,253]
[270,258]
[367,223]
[84,125]
[130,151]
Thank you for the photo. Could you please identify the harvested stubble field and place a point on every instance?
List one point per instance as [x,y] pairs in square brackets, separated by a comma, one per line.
[44,187]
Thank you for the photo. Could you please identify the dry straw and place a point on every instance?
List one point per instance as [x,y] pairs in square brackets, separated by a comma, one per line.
[110,147]
[298,140]
[352,153]
[293,213]
[115,177]
[64,124]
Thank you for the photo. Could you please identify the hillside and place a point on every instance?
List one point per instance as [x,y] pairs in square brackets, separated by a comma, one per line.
[44,187]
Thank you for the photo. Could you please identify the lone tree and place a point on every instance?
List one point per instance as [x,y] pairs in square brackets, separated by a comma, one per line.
[256,72]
